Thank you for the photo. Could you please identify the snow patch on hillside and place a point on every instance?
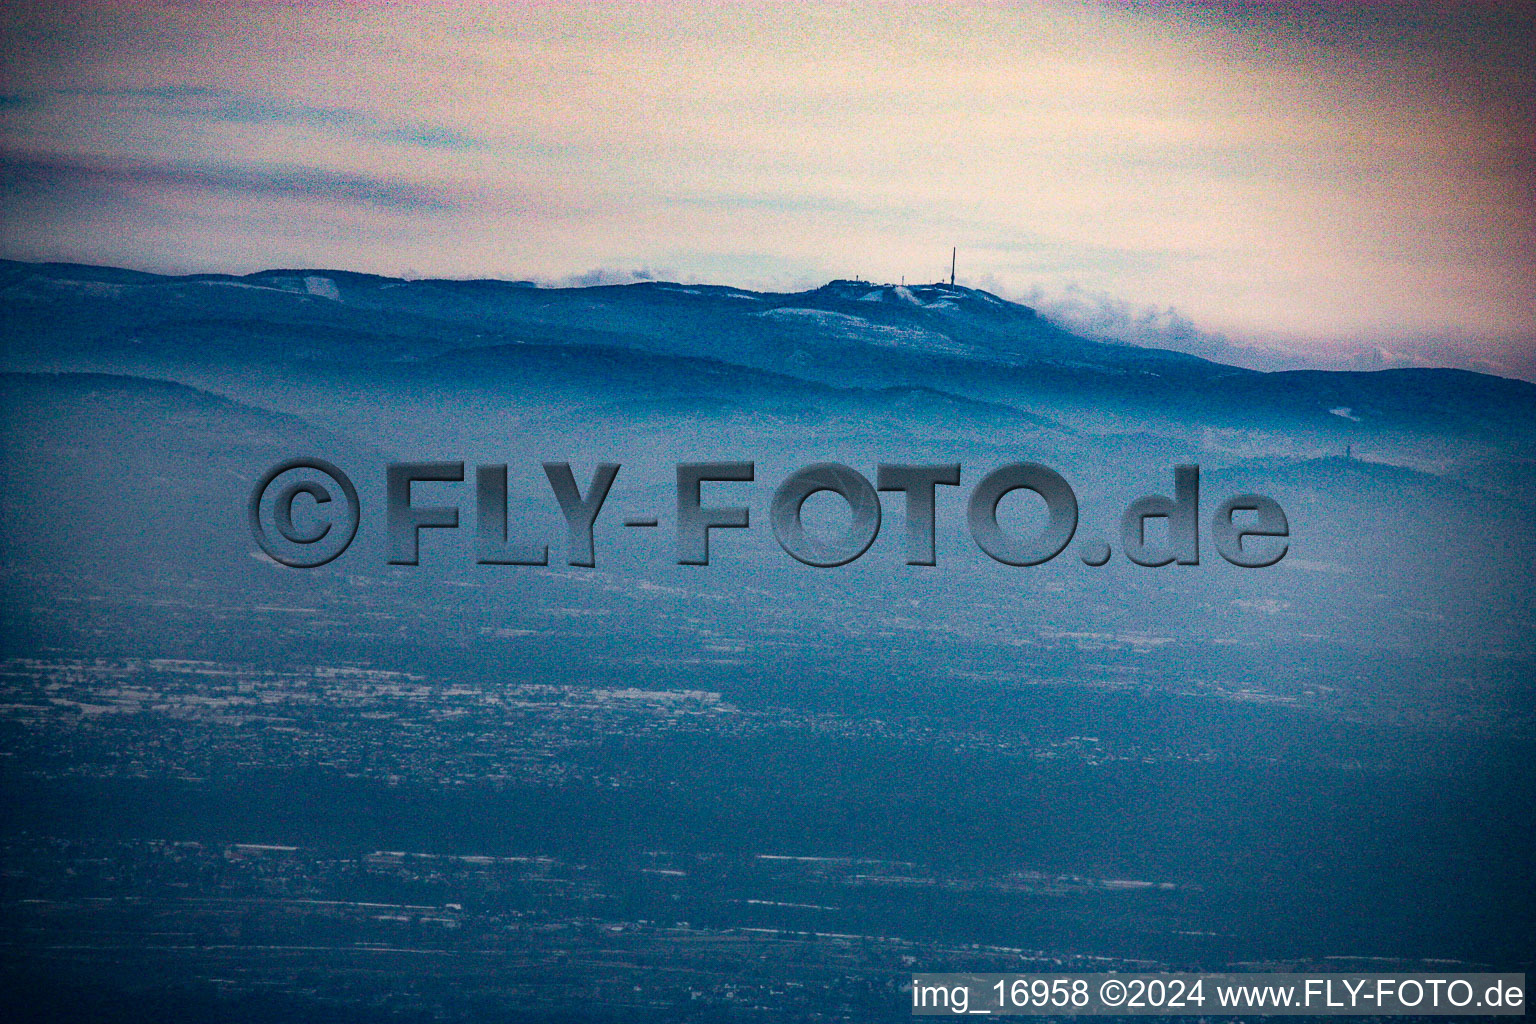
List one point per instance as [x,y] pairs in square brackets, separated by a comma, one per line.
[856,328]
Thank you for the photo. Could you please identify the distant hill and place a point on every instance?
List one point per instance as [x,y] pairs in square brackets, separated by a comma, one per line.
[957,341]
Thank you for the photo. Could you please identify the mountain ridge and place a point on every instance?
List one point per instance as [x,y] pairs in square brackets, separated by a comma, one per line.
[845,334]
[839,291]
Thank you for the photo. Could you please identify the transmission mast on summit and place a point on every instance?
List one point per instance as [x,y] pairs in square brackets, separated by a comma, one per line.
[952,253]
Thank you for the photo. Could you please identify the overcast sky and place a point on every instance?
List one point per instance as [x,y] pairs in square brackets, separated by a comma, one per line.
[1329,179]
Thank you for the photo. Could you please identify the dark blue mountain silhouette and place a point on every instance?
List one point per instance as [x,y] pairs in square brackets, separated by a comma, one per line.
[959,341]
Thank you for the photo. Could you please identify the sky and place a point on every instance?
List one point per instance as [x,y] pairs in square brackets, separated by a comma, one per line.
[1284,184]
